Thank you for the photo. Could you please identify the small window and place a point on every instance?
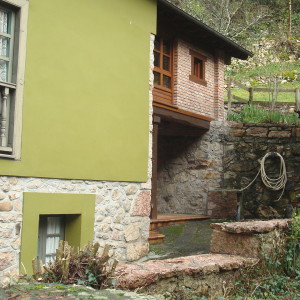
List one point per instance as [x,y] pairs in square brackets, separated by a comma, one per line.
[198,68]
[13,25]
[51,231]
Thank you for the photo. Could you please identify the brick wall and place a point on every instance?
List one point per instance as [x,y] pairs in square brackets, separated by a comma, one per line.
[195,97]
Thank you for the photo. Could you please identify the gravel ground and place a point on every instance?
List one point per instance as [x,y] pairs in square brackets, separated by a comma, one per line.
[58,291]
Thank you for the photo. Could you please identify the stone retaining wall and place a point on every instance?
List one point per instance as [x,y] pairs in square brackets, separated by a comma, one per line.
[202,175]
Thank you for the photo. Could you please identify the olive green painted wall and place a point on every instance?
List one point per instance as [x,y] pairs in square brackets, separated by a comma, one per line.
[78,232]
[86,100]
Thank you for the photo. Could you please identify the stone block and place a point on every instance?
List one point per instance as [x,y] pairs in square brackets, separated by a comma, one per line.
[6,206]
[137,251]
[142,204]
[6,259]
[257,131]
[246,245]
[238,132]
[279,134]
[132,232]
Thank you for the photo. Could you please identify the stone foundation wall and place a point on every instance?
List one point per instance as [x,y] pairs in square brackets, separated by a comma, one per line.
[189,168]
[121,215]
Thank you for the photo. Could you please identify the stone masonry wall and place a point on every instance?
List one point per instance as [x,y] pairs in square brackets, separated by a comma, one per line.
[202,175]
[122,209]
[189,168]
[195,97]
[244,147]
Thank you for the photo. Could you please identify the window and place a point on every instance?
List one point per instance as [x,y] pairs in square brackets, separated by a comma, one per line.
[163,69]
[51,231]
[198,68]
[13,19]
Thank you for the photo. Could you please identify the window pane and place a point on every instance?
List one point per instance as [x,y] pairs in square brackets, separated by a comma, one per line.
[156,78]
[3,21]
[166,47]
[156,59]
[166,81]
[3,70]
[4,46]
[166,63]
[157,43]
[54,225]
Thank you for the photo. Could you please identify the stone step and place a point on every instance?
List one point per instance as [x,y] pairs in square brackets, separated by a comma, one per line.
[247,239]
[155,237]
[206,271]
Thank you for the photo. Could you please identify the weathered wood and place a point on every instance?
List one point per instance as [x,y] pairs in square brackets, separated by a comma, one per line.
[241,86]
[4,116]
[267,90]
[239,99]
[229,96]
[250,95]
[274,94]
[182,117]
[297,99]
[156,122]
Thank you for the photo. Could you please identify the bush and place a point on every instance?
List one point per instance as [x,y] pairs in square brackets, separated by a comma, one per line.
[254,114]
[77,267]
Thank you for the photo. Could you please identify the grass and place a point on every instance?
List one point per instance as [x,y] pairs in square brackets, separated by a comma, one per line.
[254,114]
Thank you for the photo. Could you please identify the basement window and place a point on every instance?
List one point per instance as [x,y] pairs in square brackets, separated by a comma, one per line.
[51,231]
[198,68]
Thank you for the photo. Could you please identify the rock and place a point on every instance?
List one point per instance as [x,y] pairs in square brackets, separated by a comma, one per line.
[132,232]
[251,226]
[142,204]
[279,134]
[267,212]
[6,206]
[131,189]
[257,131]
[6,259]
[137,251]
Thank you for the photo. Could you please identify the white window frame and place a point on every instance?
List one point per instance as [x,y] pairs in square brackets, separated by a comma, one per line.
[15,87]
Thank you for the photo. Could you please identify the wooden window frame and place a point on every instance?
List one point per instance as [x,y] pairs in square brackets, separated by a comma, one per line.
[159,87]
[198,73]
[13,89]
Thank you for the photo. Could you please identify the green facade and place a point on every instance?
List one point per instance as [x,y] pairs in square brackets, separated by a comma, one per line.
[86,98]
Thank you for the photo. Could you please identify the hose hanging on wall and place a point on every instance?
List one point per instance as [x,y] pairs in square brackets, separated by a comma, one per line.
[274,184]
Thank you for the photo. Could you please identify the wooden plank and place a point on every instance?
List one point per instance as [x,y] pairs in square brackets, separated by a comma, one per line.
[229,96]
[266,90]
[239,99]
[241,86]
[176,129]
[156,121]
[250,95]
[297,99]
[182,117]
[184,112]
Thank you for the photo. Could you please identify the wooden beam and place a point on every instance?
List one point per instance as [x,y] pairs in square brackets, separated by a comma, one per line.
[156,122]
[182,117]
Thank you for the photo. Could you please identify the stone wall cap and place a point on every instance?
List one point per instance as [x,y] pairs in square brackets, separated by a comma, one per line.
[132,276]
[251,226]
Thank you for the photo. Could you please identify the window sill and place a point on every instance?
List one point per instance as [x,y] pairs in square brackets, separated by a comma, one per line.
[198,80]
[6,152]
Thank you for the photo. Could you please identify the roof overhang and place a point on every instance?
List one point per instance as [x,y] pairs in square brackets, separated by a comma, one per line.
[192,29]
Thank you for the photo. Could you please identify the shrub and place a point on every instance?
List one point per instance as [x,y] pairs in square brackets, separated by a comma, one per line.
[77,267]
[254,114]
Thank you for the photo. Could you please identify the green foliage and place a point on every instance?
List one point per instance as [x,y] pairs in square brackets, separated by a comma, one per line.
[255,114]
[83,267]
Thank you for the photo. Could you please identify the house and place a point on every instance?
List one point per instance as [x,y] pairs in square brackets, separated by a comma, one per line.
[76,118]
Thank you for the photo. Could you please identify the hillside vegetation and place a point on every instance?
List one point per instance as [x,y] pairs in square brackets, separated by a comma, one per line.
[269,29]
